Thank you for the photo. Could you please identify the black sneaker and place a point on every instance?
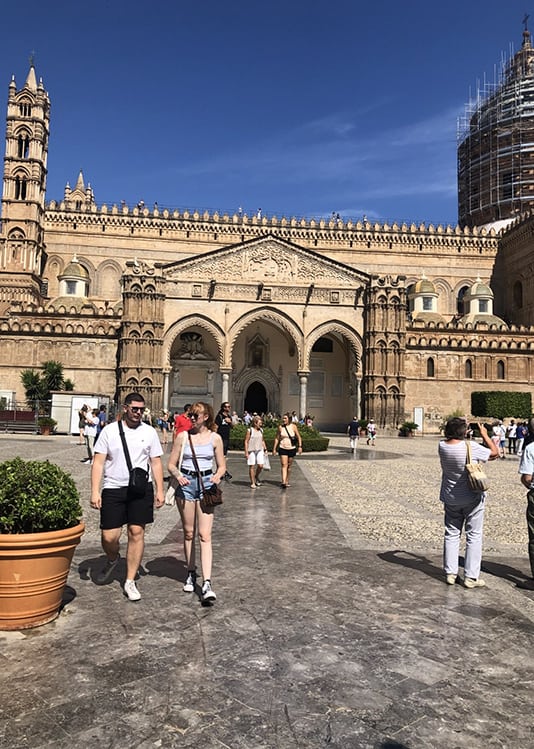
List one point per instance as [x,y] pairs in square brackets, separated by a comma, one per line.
[105,575]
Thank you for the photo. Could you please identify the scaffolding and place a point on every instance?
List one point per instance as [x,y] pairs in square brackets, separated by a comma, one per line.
[496,144]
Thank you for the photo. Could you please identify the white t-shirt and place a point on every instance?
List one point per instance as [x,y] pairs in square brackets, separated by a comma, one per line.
[526,466]
[455,489]
[143,444]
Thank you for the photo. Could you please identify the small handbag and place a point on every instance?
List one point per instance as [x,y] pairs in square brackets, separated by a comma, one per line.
[478,481]
[211,496]
[137,485]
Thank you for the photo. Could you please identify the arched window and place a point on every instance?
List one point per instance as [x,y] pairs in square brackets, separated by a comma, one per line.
[469,369]
[518,294]
[23,146]
[20,188]
[323,345]
[500,370]
[460,303]
[430,368]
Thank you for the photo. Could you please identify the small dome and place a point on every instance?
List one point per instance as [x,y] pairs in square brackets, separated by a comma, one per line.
[75,270]
[480,289]
[424,286]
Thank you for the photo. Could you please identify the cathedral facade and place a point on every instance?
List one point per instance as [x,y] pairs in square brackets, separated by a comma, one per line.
[332,318]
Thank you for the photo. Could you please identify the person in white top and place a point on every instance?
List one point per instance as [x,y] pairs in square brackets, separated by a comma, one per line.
[116,501]
[526,469]
[255,449]
[464,508]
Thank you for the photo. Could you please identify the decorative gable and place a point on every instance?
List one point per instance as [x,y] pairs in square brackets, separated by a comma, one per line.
[267,260]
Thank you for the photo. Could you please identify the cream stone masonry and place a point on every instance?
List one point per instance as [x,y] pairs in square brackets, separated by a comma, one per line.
[332,318]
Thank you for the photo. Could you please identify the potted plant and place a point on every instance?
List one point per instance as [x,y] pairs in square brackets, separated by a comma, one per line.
[40,527]
[46,424]
[408,429]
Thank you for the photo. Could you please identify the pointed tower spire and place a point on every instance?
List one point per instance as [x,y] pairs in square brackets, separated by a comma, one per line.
[31,80]
[80,185]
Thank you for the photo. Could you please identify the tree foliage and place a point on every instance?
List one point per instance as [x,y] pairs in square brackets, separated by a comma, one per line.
[38,385]
[501,403]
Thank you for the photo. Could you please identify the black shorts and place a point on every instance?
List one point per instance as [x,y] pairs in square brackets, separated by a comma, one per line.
[290,453]
[119,509]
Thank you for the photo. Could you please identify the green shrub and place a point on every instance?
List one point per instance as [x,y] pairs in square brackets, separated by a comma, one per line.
[501,403]
[312,441]
[37,496]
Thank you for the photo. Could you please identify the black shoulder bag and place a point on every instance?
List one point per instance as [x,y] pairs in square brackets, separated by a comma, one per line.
[138,482]
[208,497]
[292,437]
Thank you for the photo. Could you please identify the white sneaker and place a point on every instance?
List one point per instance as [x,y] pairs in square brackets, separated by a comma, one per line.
[130,590]
[208,595]
[190,583]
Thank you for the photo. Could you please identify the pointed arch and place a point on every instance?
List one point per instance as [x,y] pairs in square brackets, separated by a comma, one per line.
[189,322]
[267,314]
[334,327]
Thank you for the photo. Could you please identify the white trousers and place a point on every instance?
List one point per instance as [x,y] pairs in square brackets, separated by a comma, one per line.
[457,517]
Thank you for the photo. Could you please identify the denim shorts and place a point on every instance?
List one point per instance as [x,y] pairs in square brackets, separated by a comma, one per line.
[191,492]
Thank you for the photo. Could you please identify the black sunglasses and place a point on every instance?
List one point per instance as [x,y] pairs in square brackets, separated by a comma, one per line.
[136,409]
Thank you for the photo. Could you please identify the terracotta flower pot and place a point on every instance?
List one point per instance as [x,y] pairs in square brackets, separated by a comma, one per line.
[33,573]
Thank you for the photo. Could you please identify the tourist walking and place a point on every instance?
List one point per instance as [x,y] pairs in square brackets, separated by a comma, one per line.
[111,493]
[371,432]
[287,443]
[82,413]
[353,430]
[182,422]
[208,447]
[90,433]
[464,508]
[255,449]
[223,422]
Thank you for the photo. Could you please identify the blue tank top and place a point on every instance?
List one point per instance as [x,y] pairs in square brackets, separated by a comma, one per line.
[205,454]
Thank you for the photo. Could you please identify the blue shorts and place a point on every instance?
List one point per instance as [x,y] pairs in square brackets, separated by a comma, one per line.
[191,492]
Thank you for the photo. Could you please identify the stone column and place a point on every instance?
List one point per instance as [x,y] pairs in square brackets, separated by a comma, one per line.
[225,385]
[165,388]
[303,396]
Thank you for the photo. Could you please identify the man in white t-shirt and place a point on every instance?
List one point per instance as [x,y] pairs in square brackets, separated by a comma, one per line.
[526,469]
[111,494]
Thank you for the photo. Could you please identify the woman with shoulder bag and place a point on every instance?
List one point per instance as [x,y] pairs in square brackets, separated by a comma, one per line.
[208,448]
[287,443]
[464,507]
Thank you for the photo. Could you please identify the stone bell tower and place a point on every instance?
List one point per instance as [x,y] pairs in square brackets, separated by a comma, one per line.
[22,249]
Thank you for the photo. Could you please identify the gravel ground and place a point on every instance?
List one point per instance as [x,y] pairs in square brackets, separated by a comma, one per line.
[390,493]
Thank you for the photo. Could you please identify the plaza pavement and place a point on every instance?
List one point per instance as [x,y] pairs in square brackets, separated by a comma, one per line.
[333,626]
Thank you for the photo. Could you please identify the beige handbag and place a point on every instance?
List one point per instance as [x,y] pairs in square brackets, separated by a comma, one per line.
[478,481]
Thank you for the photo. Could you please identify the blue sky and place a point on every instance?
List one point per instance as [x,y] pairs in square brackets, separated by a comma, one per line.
[300,108]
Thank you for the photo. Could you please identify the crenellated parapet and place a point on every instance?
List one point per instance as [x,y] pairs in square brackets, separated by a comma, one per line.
[224,228]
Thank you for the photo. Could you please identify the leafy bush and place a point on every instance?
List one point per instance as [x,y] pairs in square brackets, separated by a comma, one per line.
[408,427]
[501,404]
[312,441]
[37,496]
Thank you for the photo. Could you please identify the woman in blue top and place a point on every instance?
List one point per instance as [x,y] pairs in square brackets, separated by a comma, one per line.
[464,508]
[208,449]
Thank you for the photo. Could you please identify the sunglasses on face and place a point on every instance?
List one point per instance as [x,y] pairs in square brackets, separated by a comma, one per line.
[196,416]
[136,409]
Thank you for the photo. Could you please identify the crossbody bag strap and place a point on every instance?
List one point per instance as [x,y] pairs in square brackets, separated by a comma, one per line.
[288,432]
[125,447]
[468,452]
[181,458]
[197,469]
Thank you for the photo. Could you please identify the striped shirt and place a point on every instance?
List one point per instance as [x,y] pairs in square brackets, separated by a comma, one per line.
[455,489]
